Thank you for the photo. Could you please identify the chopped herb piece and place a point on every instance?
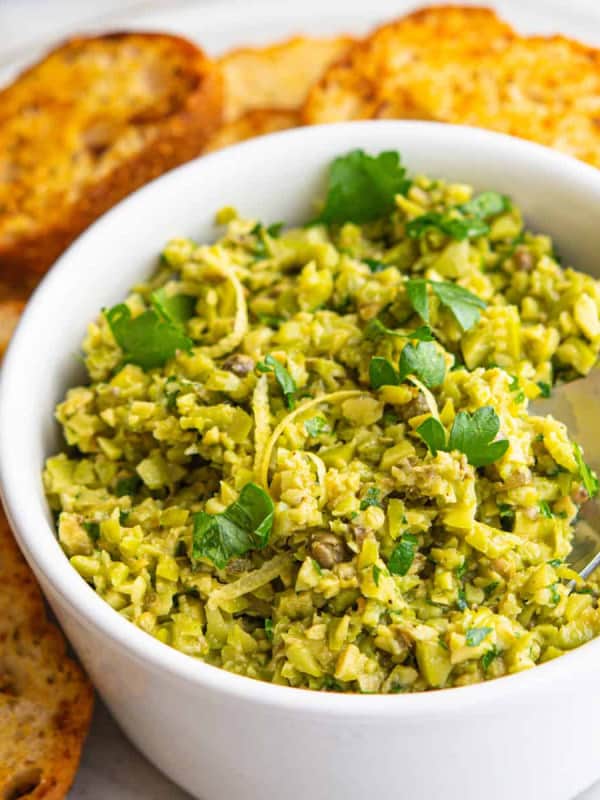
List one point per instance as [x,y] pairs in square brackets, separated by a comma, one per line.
[507,517]
[389,418]
[425,361]
[376,574]
[363,188]
[375,329]
[382,373]
[545,510]
[371,498]
[176,308]
[475,636]
[491,588]
[464,306]
[244,525]
[486,204]
[588,476]
[317,566]
[461,571]
[545,389]
[331,685]
[454,226]
[269,629]
[148,340]
[270,321]
[403,554]
[433,434]
[283,378]
[555,562]
[555,594]
[376,266]
[128,485]
[417,294]
[93,530]
[315,426]
[473,435]
[514,383]
[123,517]
[487,658]
[461,600]
[275,229]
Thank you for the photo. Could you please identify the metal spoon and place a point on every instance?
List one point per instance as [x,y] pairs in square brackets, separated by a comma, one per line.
[577,404]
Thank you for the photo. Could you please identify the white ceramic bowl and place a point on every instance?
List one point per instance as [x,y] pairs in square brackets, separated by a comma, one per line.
[221,736]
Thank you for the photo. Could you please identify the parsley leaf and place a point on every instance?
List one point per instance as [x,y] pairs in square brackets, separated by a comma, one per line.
[375,265]
[485,205]
[376,574]
[127,486]
[425,362]
[545,510]
[403,554]
[507,516]
[487,658]
[461,600]
[433,434]
[244,525]
[269,629]
[362,188]
[176,308]
[92,530]
[545,389]
[275,229]
[416,289]
[466,221]
[382,373]
[375,329]
[464,306]
[371,498]
[588,476]
[475,636]
[283,378]
[315,426]
[473,435]
[148,340]
[456,227]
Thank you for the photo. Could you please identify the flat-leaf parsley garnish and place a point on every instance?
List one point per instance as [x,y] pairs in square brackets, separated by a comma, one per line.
[425,361]
[154,336]
[244,525]
[283,378]
[375,329]
[471,434]
[465,221]
[464,306]
[403,554]
[362,188]
[474,434]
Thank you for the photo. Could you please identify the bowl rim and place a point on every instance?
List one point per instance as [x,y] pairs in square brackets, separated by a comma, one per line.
[91,610]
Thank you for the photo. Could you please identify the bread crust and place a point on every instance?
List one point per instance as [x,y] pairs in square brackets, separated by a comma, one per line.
[46,701]
[179,137]
[462,64]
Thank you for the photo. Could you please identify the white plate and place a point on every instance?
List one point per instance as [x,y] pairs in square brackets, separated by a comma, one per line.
[111,768]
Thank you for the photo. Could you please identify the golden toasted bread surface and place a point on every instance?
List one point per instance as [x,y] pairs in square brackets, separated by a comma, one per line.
[251,124]
[464,65]
[94,120]
[45,699]
[278,76]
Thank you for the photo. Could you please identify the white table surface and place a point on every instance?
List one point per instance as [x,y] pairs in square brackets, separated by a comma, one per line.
[111,769]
